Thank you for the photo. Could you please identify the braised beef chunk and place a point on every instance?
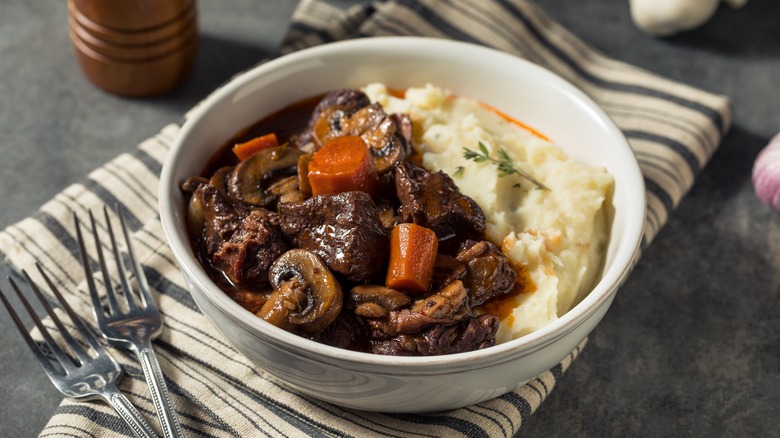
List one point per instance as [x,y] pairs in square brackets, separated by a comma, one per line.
[488,272]
[242,242]
[344,230]
[432,200]
[468,334]
[347,331]
[403,321]
[446,269]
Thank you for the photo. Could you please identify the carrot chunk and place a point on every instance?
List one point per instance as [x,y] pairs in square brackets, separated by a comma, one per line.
[244,150]
[412,256]
[343,164]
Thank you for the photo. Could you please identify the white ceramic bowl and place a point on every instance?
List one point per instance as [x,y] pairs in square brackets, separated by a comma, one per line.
[407,384]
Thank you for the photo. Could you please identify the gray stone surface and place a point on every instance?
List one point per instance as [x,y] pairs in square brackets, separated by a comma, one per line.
[691,346]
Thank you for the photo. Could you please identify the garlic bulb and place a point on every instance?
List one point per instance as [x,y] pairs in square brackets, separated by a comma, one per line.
[667,17]
[766,173]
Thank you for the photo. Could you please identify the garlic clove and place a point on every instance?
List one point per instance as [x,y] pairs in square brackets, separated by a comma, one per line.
[766,173]
[668,17]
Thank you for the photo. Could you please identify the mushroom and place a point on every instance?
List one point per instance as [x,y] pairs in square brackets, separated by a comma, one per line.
[196,215]
[380,133]
[248,179]
[450,302]
[375,301]
[219,179]
[286,189]
[384,135]
[306,295]
[196,207]
[329,124]
[667,17]
[303,175]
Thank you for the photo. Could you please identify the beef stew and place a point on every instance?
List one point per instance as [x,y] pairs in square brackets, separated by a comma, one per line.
[318,264]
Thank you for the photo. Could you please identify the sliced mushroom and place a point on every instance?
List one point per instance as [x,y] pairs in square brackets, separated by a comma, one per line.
[251,300]
[380,133]
[306,295]
[288,297]
[329,113]
[375,301]
[303,175]
[388,215]
[329,124]
[450,302]
[286,189]
[196,215]
[390,299]
[386,136]
[371,310]
[249,179]
[219,179]
[192,183]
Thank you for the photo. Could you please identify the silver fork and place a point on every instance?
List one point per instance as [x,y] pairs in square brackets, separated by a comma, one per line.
[134,326]
[80,375]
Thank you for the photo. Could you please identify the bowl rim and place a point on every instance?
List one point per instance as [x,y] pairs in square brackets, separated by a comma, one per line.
[607,285]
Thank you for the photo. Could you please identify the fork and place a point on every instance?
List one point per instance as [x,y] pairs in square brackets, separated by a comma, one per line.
[135,326]
[78,375]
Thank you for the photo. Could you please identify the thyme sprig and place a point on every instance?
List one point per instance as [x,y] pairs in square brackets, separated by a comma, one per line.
[504,164]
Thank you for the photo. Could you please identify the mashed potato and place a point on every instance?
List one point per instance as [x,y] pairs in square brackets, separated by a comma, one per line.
[559,234]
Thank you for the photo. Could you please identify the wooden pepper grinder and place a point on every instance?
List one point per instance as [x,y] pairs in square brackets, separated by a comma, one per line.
[134,48]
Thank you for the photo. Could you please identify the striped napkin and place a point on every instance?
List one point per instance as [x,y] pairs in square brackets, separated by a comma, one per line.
[673,128]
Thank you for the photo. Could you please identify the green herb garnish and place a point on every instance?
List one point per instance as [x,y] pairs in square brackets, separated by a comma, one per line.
[504,164]
[458,172]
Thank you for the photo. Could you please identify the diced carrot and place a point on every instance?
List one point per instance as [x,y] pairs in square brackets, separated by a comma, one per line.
[412,256]
[342,164]
[244,150]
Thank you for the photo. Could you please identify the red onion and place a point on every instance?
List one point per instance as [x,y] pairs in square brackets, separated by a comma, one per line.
[766,173]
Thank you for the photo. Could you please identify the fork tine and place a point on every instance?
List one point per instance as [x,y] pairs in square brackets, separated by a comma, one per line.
[65,361]
[96,304]
[42,358]
[86,334]
[140,276]
[119,264]
[75,347]
[113,304]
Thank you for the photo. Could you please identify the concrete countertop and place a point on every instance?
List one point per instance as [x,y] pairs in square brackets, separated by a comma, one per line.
[691,345]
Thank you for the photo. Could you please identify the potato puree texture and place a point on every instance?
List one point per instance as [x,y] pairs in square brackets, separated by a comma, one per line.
[559,234]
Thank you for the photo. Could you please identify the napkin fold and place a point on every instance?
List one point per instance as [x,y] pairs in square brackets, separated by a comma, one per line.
[673,128]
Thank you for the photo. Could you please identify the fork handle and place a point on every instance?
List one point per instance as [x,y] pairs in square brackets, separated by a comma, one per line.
[129,413]
[160,395]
